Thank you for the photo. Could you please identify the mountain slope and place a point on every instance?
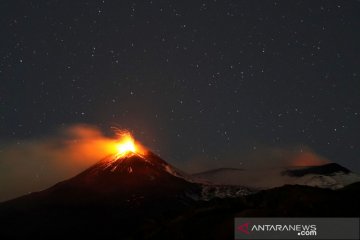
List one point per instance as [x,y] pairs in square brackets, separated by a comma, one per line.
[329,175]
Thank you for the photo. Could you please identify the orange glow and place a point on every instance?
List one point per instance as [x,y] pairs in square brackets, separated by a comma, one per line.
[126,145]
[305,159]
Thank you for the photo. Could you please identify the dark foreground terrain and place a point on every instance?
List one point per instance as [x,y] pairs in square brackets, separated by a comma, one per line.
[170,219]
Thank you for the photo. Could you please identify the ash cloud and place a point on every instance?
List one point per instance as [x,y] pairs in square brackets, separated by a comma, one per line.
[298,156]
[33,165]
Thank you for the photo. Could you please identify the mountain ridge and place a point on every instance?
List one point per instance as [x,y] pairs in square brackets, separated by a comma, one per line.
[330,175]
[143,197]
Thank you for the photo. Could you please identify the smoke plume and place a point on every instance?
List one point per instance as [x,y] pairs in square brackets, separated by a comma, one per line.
[36,164]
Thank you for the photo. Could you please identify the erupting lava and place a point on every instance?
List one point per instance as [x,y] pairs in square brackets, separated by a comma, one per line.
[127,145]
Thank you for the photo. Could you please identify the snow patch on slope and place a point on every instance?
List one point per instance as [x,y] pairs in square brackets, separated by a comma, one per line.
[223,191]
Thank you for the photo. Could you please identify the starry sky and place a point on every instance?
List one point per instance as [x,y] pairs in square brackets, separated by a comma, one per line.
[191,79]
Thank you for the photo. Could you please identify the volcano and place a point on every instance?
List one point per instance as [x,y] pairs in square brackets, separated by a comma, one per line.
[125,179]
[129,189]
[134,194]
[132,176]
[119,196]
[128,179]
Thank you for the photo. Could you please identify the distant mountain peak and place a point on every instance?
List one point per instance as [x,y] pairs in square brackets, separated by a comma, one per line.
[331,175]
[326,169]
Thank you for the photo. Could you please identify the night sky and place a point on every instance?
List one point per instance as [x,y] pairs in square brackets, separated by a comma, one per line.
[191,79]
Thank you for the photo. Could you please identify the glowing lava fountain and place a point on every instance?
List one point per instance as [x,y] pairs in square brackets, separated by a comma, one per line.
[126,145]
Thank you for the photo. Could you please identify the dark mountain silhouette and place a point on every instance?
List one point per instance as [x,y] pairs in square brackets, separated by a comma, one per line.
[330,175]
[143,197]
[217,170]
[327,169]
[130,178]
